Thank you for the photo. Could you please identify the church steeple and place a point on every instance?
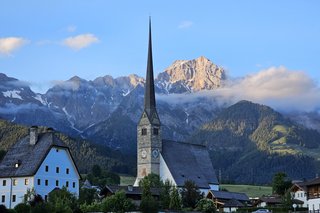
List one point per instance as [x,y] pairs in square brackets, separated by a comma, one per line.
[149,127]
[149,95]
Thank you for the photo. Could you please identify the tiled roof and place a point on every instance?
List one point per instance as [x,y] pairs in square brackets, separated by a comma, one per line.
[188,162]
[28,156]
[230,195]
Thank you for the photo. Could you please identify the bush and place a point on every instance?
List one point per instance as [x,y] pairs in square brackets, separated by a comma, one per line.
[3,208]
[22,208]
[93,207]
[117,203]
[206,205]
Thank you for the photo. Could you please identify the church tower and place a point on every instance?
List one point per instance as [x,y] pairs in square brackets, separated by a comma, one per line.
[149,127]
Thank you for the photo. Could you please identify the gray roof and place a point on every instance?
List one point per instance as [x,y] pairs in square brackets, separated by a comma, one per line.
[189,162]
[233,203]
[29,156]
[230,195]
[134,190]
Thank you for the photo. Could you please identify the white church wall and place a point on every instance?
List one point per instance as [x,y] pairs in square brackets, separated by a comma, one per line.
[165,173]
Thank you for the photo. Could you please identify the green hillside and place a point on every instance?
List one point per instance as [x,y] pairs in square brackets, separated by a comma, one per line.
[84,153]
[249,143]
[250,190]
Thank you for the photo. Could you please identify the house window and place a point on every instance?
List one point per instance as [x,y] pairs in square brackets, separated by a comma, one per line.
[47,168]
[57,183]
[67,183]
[26,181]
[144,131]
[3,198]
[13,198]
[15,182]
[155,131]
[46,182]
[74,184]
[4,182]
[57,169]
[67,170]
[39,182]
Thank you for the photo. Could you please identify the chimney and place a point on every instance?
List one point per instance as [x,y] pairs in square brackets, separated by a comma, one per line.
[33,135]
[50,130]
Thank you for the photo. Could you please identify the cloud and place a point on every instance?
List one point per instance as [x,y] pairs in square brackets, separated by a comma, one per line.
[277,87]
[80,41]
[10,44]
[185,24]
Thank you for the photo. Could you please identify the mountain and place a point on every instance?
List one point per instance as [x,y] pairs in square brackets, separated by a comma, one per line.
[190,76]
[85,154]
[250,142]
[94,109]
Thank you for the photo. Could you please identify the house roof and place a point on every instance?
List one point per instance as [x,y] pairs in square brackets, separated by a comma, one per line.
[271,199]
[189,162]
[299,185]
[28,156]
[233,203]
[229,195]
[315,181]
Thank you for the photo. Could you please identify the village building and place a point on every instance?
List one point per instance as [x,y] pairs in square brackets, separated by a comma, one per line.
[299,192]
[313,195]
[171,160]
[39,161]
[228,201]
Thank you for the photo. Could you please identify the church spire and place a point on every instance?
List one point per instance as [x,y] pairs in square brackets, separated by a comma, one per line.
[149,95]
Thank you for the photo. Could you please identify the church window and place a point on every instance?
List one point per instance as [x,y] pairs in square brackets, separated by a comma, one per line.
[3,198]
[26,181]
[4,182]
[155,131]
[144,131]
[14,198]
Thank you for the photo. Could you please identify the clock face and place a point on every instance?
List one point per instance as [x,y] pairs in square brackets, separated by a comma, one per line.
[155,153]
[144,154]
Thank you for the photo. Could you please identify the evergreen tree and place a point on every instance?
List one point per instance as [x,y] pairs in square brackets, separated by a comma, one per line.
[148,203]
[280,183]
[165,194]
[190,194]
[175,200]
[118,203]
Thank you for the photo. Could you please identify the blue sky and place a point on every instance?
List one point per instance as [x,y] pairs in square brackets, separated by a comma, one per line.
[45,41]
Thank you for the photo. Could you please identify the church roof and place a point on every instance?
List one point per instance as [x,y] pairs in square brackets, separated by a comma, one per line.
[189,162]
[29,157]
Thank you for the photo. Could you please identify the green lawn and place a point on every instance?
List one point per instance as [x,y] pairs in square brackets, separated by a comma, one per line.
[251,191]
[127,180]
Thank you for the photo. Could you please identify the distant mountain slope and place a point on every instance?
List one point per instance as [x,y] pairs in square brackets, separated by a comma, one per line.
[84,153]
[249,142]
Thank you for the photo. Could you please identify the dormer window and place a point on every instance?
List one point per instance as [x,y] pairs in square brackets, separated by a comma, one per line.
[155,131]
[17,164]
[144,131]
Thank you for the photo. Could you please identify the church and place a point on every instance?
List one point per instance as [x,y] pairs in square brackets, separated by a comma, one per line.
[171,160]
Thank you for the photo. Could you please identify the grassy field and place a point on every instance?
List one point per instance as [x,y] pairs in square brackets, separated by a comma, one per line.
[251,191]
[127,180]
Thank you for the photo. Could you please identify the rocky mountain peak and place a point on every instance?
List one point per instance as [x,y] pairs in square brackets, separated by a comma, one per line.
[191,75]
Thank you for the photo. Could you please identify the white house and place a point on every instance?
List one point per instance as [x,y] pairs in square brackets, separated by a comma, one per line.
[313,195]
[40,161]
[299,192]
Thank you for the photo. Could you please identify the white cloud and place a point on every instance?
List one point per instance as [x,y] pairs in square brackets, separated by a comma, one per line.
[10,44]
[277,87]
[80,41]
[185,24]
